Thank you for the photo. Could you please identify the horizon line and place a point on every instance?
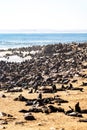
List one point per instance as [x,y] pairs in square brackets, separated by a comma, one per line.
[41,31]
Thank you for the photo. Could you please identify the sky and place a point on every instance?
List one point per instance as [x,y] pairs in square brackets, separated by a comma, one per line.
[43,15]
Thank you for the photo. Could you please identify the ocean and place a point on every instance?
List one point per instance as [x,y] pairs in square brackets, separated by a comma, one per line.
[24,40]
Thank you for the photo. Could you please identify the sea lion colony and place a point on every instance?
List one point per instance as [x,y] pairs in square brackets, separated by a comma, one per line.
[52,65]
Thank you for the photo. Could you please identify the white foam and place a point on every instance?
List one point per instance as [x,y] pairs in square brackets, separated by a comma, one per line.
[15,58]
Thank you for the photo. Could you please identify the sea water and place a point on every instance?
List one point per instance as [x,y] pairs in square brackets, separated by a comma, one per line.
[32,39]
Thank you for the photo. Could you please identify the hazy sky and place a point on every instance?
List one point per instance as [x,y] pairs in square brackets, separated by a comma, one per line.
[60,15]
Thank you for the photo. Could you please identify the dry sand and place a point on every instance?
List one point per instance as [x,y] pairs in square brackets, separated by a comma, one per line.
[52,121]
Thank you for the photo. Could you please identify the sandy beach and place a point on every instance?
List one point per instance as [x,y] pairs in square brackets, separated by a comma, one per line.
[57,72]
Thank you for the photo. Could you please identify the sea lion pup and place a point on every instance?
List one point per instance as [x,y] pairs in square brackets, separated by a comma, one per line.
[77,107]
[70,87]
[84,84]
[38,101]
[20,98]
[63,87]
[29,116]
[54,88]
[39,96]
[69,111]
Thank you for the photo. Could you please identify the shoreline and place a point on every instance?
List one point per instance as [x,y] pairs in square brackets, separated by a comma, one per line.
[20,40]
[26,53]
[18,54]
[33,44]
